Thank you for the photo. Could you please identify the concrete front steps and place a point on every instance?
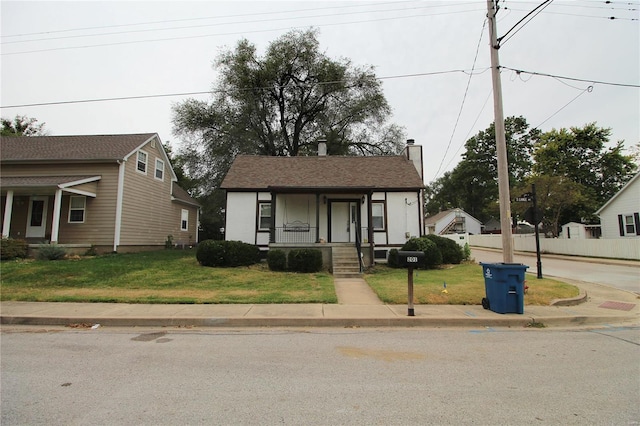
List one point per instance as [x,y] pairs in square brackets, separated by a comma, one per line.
[345,262]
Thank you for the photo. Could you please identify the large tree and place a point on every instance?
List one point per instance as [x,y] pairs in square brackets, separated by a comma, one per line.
[22,125]
[282,103]
[473,184]
[581,155]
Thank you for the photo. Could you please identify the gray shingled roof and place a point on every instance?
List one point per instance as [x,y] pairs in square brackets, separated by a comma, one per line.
[70,148]
[182,195]
[330,172]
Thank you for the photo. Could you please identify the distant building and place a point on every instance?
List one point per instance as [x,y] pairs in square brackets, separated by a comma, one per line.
[453,221]
[620,216]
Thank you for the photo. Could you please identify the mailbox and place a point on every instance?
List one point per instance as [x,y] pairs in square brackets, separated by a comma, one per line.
[411,259]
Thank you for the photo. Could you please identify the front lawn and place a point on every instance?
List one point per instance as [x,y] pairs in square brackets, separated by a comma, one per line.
[166,276]
[465,286]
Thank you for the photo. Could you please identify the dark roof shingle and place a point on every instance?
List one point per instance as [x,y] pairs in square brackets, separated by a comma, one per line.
[70,148]
[327,172]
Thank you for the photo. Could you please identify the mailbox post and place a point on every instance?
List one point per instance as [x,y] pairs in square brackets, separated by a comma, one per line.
[410,260]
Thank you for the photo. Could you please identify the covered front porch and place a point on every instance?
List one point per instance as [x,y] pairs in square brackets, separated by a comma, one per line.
[322,220]
[32,206]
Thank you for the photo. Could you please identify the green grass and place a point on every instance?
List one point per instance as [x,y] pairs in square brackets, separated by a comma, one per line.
[174,276]
[166,276]
[465,286]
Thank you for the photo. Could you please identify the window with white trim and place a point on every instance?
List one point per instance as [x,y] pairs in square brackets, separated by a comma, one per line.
[264,219]
[142,162]
[159,169]
[377,213]
[77,208]
[184,220]
[629,225]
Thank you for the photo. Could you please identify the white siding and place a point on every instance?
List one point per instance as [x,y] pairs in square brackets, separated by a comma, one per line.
[626,202]
[241,217]
[403,216]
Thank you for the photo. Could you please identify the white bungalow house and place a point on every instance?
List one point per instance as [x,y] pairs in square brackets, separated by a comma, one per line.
[453,221]
[620,216]
[348,207]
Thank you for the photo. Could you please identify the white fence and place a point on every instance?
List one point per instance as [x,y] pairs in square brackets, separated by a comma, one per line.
[623,248]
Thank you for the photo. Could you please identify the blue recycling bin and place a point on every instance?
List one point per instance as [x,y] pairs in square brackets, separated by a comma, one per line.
[504,287]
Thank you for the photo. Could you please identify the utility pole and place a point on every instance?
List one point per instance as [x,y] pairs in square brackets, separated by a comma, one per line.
[501,143]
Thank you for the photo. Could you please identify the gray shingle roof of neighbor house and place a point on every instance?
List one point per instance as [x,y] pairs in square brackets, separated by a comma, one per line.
[250,172]
[70,148]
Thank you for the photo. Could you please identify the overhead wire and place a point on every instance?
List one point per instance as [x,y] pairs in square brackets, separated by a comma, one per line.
[164,95]
[464,98]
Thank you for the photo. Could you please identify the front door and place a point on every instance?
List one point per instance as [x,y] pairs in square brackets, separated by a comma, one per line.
[344,221]
[37,217]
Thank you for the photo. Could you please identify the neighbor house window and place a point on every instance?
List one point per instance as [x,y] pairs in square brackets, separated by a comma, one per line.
[159,169]
[377,211]
[629,225]
[142,162]
[264,221]
[77,207]
[184,220]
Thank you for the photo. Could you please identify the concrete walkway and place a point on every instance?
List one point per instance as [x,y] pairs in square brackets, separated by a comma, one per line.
[597,306]
[355,291]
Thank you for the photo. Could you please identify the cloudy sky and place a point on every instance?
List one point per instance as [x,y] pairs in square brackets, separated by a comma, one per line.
[577,65]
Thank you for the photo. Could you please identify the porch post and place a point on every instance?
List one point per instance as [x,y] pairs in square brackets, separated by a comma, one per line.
[272,233]
[317,217]
[370,227]
[8,206]
[55,225]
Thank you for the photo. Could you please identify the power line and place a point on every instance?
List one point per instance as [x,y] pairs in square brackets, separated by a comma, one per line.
[535,13]
[166,95]
[587,90]
[464,98]
[197,19]
[607,83]
[221,24]
[233,33]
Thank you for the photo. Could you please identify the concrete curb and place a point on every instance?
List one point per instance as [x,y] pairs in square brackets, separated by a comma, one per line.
[581,298]
[508,320]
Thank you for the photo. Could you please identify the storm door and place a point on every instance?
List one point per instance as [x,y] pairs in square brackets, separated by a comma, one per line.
[344,221]
[37,217]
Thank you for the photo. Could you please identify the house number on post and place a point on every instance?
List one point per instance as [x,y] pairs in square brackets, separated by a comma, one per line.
[410,260]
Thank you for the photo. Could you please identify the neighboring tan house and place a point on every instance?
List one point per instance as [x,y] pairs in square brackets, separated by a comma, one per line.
[363,206]
[453,221]
[620,216]
[112,192]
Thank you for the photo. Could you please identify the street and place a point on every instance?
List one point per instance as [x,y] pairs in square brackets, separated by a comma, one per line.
[623,277]
[328,376]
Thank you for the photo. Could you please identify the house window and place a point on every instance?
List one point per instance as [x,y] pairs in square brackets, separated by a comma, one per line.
[377,211]
[629,225]
[142,162]
[77,207]
[184,220]
[264,220]
[159,169]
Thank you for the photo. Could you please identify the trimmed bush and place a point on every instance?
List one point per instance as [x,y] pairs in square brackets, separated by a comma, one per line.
[305,260]
[277,260]
[12,249]
[451,251]
[392,260]
[432,254]
[466,251]
[227,253]
[51,252]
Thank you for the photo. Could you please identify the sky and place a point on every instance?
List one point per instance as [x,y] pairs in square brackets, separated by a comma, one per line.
[567,66]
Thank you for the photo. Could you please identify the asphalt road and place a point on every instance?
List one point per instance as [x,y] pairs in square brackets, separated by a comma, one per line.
[624,277]
[403,377]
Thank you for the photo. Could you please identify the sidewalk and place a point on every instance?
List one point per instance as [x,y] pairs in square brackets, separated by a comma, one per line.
[598,305]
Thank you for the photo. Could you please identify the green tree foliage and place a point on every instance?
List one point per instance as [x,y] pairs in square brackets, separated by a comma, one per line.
[282,103]
[580,155]
[473,184]
[22,125]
